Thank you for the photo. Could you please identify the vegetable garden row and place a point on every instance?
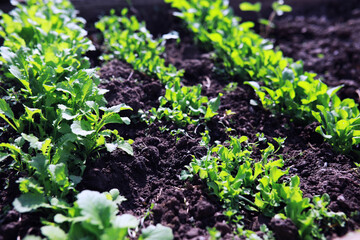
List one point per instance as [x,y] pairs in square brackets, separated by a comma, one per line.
[59,127]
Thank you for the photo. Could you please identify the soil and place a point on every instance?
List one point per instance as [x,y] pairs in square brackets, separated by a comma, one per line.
[150,179]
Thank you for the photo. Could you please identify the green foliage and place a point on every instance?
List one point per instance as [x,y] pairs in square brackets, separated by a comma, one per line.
[294,92]
[45,22]
[281,84]
[280,8]
[214,234]
[252,7]
[157,232]
[94,216]
[338,124]
[128,39]
[251,235]
[63,116]
[231,87]
[241,182]
[181,104]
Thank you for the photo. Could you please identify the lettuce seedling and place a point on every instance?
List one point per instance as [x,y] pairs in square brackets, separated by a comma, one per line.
[338,124]
[182,104]
[94,216]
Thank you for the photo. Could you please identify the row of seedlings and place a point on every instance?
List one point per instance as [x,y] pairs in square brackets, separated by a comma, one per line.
[128,39]
[56,114]
[281,83]
[244,182]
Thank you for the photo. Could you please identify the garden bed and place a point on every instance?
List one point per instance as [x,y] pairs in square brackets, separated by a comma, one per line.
[150,179]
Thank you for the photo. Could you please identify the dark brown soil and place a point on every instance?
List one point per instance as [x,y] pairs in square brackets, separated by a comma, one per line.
[150,179]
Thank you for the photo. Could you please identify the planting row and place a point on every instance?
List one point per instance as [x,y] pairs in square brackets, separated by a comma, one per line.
[56,114]
[129,40]
[244,183]
[281,84]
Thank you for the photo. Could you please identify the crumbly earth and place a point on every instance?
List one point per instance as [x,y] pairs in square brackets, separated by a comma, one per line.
[150,179]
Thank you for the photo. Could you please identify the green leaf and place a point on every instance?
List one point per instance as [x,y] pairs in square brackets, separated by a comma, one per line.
[39,162]
[333,90]
[110,147]
[114,195]
[258,201]
[319,130]
[275,174]
[158,232]
[213,107]
[295,181]
[246,6]
[77,231]
[34,141]
[66,113]
[126,221]
[281,8]
[81,128]
[253,84]
[3,156]
[53,233]
[115,118]
[6,110]
[28,202]
[266,22]
[16,72]
[75,179]
[116,108]
[288,74]
[6,53]
[59,173]
[126,147]
[96,208]
[216,37]
[11,147]
[59,218]
[114,233]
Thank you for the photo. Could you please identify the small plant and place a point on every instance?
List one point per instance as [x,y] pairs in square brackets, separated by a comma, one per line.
[338,124]
[214,234]
[94,216]
[183,105]
[231,87]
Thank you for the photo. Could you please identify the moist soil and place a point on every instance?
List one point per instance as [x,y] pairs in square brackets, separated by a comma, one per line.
[150,180]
